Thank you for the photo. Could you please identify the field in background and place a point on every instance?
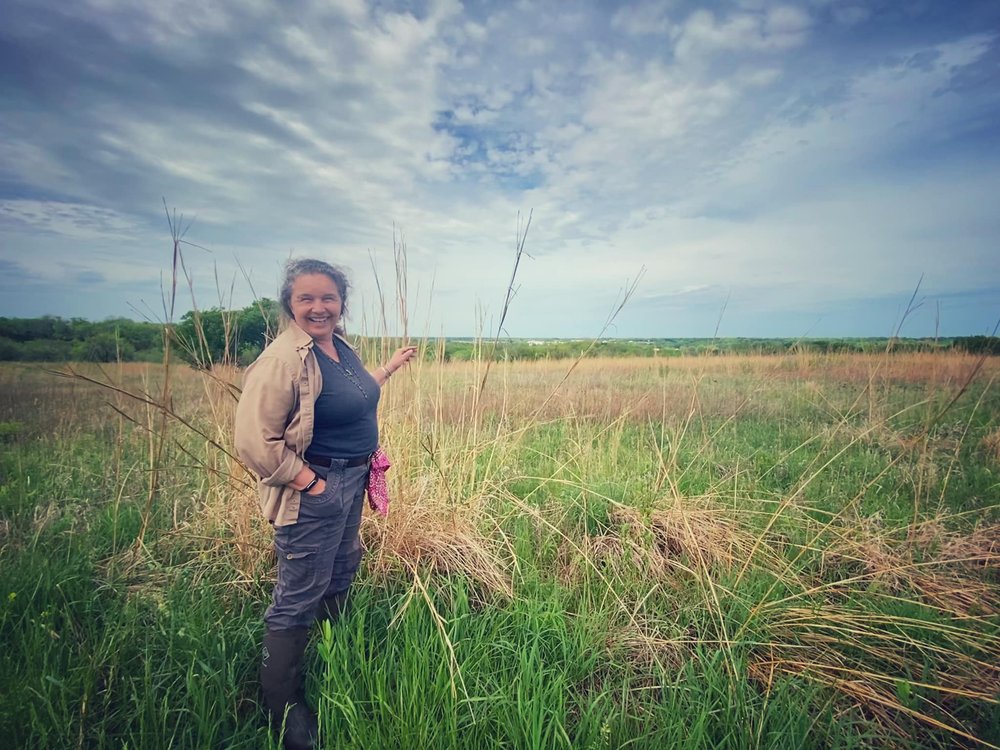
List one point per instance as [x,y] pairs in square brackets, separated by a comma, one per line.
[730,551]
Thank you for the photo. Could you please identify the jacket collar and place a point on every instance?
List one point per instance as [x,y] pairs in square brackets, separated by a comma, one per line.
[300,339]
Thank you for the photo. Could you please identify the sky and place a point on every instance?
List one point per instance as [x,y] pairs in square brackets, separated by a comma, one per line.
[755,168]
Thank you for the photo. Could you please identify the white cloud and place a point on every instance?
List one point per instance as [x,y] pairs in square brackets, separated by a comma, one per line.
[648,17]
[719,149]
[72,220]
[174,27]
[880,109]
[777,29]
[32,164]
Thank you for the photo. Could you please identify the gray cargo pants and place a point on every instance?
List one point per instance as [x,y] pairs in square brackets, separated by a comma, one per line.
[318,555]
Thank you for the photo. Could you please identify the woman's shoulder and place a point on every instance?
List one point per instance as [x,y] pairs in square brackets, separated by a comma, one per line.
[288,343]
[282,353]
[271,366]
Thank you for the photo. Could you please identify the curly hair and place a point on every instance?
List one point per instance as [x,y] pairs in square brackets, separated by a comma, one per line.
[296,267]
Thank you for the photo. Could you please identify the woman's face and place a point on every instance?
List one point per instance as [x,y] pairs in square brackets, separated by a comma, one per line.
[316,304]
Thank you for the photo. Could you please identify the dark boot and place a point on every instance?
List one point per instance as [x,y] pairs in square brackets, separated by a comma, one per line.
[334,607]
[282,685]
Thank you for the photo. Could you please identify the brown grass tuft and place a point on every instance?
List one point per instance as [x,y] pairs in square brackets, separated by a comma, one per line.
[415,537]
[641,645]
[877,662]
[991,444]
[613,557]
[941,567]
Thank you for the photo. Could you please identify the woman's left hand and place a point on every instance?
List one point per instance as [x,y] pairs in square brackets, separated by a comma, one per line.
[401,358]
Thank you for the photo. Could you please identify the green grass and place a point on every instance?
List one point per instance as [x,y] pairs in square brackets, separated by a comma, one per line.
[623,632]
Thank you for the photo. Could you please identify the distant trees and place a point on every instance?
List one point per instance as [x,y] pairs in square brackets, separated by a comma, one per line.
[978,344]
[51,339]
[206,337]
[212,336]
[200,338]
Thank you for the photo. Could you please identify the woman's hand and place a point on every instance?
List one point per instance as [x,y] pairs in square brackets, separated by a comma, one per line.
[319,488]
[305,477]
[400,358]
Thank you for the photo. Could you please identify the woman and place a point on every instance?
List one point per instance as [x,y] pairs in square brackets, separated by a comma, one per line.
[306,424]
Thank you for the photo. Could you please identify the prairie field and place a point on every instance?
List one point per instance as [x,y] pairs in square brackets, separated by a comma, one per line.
[697,552]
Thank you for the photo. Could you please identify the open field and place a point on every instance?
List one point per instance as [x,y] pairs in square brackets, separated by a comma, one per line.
[708,552]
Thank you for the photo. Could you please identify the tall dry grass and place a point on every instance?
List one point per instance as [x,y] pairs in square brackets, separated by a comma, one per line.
[458,463]
[779,581]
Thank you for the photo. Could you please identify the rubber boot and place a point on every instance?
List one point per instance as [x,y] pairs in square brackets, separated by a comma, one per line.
[334,607]
[283,687]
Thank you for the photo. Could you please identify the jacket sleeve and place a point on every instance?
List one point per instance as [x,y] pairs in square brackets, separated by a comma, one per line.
[262,415]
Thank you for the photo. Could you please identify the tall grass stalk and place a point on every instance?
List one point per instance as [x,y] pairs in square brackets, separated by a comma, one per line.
[702,552]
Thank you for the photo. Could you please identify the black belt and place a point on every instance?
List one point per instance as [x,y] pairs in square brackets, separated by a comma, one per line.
[329,460]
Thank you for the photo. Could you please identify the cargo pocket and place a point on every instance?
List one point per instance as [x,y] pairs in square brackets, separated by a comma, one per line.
[297,572]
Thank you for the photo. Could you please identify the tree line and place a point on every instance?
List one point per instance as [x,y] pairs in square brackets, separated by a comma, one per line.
[519,349]
[200,338]
[206,337]
[51,339]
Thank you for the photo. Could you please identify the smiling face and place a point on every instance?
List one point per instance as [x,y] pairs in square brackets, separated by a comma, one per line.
[316,304]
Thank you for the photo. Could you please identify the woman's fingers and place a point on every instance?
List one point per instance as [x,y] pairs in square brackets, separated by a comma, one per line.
[402,356]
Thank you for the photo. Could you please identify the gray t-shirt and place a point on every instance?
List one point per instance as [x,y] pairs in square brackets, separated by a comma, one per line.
[346,423]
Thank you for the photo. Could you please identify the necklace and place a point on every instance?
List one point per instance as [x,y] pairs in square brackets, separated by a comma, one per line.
[348,371]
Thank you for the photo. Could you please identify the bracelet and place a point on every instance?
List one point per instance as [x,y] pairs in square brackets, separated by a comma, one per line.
[388,373]
[311,484]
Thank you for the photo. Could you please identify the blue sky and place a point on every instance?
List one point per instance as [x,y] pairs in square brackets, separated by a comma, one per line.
[793,168]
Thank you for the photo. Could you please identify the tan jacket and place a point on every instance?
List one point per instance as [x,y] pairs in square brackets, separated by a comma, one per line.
[274,419]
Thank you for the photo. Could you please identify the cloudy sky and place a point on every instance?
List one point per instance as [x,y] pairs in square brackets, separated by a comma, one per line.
[768,168]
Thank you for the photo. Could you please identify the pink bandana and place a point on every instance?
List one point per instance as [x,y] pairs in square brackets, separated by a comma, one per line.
[378,491]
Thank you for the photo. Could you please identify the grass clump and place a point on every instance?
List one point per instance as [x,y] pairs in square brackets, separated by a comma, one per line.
[727,552]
